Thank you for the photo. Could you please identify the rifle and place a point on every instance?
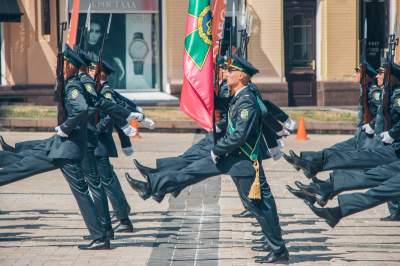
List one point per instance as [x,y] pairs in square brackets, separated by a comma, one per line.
[393,41]
[363,69]
[59,87]
[86,28]
[245,24]
[99,62]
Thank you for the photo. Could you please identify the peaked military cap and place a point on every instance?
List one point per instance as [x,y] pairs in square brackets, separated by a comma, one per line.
[73,57]
[243,65]
[87,57]
[106,67]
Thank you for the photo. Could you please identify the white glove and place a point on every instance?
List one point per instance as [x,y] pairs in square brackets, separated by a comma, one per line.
[368,129]
[281,144]
[386,138]
[129,130]
[217,129]
[139,109]
[289,124]
[276,153]
[283,133]
[214,157]
[60,133]
[148,123]
[128,151]
[135,115]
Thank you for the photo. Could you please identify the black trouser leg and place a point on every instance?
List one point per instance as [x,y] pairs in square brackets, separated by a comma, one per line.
[112,187]
[347,145]
[364,159]
[394,206]
[26,166]
[345,180]
[357,202]
[92,177]
[236,182]
[170,181]
[171,163]
[9,158]
[73,174]
[264,211]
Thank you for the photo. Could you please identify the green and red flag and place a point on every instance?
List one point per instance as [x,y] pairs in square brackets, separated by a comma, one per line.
[197,96]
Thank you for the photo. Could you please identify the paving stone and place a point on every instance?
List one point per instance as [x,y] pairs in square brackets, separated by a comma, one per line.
[40,223]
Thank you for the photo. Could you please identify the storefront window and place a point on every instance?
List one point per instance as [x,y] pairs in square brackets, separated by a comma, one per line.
[133,45]
[1,55]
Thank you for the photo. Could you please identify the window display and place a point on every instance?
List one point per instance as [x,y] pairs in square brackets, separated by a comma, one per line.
[133,45]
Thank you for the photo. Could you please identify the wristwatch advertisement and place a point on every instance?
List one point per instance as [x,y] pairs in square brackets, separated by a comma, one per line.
[138,50]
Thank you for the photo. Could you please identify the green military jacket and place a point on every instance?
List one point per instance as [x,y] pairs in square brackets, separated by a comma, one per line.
[74,146]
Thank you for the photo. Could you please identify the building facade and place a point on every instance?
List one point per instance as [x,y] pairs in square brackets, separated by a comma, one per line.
[306,50]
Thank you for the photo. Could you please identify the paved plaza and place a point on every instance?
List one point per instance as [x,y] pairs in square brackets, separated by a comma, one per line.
[40,223]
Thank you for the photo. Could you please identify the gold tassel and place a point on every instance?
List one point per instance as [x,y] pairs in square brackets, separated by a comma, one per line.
[255,190]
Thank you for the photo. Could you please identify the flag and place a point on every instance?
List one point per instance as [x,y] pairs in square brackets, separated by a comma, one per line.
[73,26]
[197,96]
[218,13]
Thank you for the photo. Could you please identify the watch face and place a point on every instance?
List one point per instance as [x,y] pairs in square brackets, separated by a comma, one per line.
[138,50]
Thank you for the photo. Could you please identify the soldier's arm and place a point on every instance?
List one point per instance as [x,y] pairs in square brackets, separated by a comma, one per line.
[271,122]
[275,111]
[373,106]
[124,139]
[106,122]
[108,106]
[394,132]
[270,137]
[246,118]
[79,107]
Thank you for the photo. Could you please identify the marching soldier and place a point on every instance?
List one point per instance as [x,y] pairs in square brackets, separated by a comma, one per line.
[381,177]
[105,149]
[239,153]
[383,150]
[365,130]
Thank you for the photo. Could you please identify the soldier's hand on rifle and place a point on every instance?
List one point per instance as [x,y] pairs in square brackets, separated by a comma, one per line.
[275,153]
[368,129]
[60,133]
[148,123]
[289,124]
[128,151]
[135,115]
[214,157]
[129,130]
[386,138]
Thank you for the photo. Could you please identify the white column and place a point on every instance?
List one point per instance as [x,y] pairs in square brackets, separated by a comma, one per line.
[318,41]
[3,80]
[166,85]
[393,14]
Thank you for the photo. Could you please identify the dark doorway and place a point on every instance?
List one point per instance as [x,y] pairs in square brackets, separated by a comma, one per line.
[375,14]
[299,19]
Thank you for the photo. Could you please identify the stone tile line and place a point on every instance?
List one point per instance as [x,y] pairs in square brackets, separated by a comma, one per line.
[199,232]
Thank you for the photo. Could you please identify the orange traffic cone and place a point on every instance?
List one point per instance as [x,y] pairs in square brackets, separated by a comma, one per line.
[135,124]
[301,130]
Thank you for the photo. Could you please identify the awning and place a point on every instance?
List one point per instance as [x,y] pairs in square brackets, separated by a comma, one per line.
[9,11]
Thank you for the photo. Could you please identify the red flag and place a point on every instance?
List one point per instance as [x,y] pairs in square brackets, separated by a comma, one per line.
[73,26]
[218,12]
[197,97]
